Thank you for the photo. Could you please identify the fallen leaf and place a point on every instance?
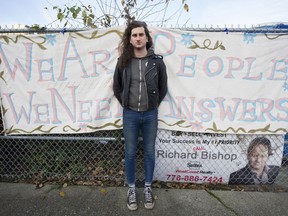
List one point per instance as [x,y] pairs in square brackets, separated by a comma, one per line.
[62,193]
[104,191]
[38,186]
[121,172]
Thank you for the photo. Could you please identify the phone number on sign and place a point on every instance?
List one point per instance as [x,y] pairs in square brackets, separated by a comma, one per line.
[188,178]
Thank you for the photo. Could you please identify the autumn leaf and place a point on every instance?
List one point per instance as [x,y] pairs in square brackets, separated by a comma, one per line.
[121,172]
[103,191]
[40,185]
[62,193]
[186,7]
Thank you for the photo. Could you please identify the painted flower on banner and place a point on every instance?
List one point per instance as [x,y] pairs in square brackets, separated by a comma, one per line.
[249,37]
[51,39]
[196,125]
[187,39]
[285,86]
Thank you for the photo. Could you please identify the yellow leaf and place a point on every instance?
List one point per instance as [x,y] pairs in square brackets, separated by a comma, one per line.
[121,172]
[186,7]
[62,193]
[104,191]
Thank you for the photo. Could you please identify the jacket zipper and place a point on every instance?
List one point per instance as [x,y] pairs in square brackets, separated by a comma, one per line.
[140,86]
[147,97]
[150,69]
[123,84]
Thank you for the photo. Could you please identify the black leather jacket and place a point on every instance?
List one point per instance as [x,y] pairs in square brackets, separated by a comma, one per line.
[155,78]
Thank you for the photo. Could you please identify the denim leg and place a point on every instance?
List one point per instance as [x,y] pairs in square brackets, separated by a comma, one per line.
[149,133]
[131,125]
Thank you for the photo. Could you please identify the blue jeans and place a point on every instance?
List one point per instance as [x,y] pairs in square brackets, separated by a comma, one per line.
[133,122]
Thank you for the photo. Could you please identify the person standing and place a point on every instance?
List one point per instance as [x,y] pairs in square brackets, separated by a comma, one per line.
[139,84]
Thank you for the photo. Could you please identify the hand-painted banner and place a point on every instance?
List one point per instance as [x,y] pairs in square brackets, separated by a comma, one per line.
[218,82]
[193,157]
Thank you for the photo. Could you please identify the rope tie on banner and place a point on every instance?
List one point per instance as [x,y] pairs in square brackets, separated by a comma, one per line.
[63,31]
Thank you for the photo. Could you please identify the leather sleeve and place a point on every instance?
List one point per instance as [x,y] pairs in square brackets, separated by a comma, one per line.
[117,83]
[162,82]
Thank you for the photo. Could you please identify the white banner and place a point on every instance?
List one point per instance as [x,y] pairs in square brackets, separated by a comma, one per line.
[208,158]
[218,82]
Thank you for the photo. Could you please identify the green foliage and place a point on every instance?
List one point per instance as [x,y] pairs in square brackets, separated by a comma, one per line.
[49,158]
[81,13]
[36,27]
[86,14]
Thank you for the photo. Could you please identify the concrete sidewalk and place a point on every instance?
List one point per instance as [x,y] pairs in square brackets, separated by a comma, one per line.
[24,199]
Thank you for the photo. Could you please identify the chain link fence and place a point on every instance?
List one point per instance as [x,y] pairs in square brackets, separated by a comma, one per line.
[98,158]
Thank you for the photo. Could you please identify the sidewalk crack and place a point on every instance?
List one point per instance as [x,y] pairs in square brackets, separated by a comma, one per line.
[221,201]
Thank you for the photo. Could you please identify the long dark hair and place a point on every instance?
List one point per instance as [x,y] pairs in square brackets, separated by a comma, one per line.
[126,48]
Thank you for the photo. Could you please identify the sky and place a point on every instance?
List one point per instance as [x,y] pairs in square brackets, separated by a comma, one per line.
[202,13]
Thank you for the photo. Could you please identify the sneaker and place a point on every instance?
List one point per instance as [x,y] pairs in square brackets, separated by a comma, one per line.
[148,198]
[131,199]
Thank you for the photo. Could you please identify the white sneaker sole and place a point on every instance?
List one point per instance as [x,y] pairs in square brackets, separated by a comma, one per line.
[132,208]
[149,206]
